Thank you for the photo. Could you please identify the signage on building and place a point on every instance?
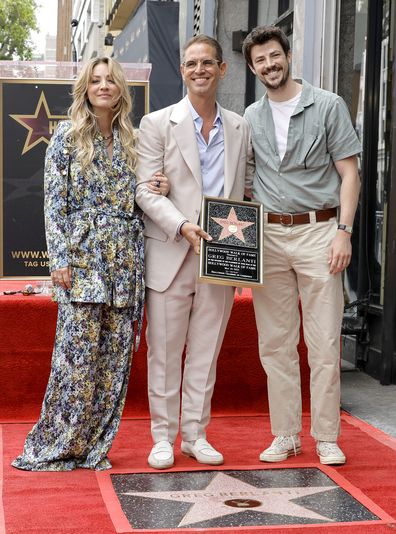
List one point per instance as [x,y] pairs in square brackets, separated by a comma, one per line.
[29,113]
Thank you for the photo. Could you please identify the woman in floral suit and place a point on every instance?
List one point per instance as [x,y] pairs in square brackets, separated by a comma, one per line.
[95,247]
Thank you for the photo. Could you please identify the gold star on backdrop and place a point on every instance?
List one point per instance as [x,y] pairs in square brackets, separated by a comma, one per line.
[40,126]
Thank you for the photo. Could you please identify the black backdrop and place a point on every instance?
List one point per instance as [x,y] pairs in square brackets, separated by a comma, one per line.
[30,111]
[152,35]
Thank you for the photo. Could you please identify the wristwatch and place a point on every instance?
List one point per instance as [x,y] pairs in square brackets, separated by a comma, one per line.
[345,228]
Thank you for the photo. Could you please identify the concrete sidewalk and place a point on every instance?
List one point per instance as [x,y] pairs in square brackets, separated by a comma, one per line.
[364,397]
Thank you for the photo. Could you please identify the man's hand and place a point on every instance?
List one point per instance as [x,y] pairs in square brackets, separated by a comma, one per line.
[340,252]
[193,233]
[62,277]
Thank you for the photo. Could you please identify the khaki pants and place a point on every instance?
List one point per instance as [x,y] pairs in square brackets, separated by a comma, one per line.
[296,266]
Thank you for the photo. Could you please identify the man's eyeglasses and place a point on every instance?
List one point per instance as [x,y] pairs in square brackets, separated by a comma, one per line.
[192,64]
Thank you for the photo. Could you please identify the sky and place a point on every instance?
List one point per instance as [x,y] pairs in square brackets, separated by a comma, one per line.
[46,21]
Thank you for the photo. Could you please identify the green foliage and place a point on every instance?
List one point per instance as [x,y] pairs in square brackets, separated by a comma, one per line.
[17,20]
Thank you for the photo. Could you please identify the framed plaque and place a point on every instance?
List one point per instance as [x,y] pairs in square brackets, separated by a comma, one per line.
[235,255]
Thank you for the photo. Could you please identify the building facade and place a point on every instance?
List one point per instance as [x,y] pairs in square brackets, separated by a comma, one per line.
[345,46]
[63,34]
[88,30]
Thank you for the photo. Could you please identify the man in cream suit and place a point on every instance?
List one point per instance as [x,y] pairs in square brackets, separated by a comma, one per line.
[203,149]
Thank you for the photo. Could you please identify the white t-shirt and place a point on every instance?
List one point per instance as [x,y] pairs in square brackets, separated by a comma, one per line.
[281,113]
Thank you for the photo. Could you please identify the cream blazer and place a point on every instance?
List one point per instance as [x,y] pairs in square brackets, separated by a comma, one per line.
[167,143]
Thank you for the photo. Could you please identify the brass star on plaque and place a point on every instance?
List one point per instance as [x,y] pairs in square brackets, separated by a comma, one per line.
[40,125]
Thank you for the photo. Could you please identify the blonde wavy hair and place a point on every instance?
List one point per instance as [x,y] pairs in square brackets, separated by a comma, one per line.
[83,119]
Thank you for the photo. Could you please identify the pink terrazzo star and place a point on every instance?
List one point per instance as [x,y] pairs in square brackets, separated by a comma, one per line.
[226,495]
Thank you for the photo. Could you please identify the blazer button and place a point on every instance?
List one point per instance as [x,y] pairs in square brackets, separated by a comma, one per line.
[64,172]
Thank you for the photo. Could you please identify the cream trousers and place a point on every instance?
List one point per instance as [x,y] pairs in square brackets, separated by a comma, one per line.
[189,315]
[296,267]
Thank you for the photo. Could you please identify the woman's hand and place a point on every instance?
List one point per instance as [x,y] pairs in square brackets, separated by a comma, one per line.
[159,184]
[62,277]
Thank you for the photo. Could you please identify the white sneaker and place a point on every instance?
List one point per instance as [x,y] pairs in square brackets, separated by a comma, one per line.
[161,455]
[330,453]
[202,451]
[281,448]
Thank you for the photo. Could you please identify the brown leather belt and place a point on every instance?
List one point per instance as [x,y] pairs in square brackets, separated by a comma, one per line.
[289,219]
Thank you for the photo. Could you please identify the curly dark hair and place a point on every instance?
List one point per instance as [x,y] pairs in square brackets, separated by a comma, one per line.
[261,35]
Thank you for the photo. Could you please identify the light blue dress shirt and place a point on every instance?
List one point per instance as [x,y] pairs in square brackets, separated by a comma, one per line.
[211,154]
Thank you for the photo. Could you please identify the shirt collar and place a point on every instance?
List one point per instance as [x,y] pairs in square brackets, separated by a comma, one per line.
[306,99]
[307,96]
[196,117]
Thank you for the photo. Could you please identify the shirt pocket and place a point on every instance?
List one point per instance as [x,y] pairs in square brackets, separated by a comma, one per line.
[313,152]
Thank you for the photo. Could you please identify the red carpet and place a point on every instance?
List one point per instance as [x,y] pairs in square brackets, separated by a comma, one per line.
[72,503]
[27,329]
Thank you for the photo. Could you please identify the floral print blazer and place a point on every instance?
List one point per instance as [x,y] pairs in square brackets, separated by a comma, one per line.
[92,225]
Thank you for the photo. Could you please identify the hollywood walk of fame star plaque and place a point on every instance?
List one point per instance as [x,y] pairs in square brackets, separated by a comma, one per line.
[295,496]
[235,254]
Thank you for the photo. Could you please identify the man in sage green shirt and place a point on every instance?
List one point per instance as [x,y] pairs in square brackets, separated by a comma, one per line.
[307,179]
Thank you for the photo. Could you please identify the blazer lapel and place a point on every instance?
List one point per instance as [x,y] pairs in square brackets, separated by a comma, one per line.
[184,135]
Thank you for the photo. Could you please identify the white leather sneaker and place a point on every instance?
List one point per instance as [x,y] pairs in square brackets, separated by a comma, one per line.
[281,448]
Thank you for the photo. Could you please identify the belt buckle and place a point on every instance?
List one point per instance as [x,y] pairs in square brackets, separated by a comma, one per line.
[283,223]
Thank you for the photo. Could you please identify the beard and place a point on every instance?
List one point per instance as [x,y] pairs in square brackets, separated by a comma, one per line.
[278,83]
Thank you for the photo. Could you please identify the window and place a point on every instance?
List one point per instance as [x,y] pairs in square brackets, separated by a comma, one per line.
[370,73]
[284,5]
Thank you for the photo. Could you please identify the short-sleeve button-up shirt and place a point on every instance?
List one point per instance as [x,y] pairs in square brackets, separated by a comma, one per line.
[320,133]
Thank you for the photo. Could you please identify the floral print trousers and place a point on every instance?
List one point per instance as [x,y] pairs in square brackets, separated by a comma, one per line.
[86,391]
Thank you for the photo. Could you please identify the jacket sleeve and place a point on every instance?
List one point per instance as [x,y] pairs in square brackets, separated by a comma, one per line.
[55,199]
[151,155]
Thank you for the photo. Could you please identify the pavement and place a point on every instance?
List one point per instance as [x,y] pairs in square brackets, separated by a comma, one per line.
[364,397]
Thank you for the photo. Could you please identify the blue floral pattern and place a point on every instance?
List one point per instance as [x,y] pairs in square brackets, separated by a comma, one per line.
[92,226]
